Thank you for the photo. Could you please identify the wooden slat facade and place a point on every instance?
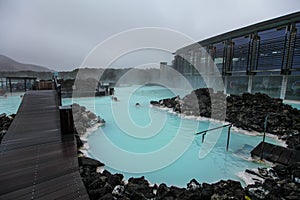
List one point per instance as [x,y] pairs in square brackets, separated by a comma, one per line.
[37,162]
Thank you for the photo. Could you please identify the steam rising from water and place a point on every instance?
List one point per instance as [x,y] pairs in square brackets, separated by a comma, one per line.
[126,42]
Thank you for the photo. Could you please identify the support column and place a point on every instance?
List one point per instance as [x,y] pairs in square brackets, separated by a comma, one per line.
[283,86]
[250,81]
[25,84]
[254,50]
[289,52]
[10,87]
[163,72]
[225,84]
[228,56]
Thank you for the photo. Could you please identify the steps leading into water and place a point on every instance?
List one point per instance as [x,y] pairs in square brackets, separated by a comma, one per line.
[276,154]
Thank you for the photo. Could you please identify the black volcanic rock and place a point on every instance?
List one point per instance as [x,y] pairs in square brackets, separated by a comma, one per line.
[193,185]
[115,179]
[280,182]
[5,122]
[85,161]
[247,112]
[162,190]
[84,119]
[207,191]
[228,190]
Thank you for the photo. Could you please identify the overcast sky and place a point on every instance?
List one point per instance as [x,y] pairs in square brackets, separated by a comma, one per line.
[59,34]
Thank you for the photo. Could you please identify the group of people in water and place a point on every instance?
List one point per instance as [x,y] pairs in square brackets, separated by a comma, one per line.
[114,98]
[5,96]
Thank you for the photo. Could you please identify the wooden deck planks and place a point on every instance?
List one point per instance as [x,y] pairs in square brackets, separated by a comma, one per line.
[36,161]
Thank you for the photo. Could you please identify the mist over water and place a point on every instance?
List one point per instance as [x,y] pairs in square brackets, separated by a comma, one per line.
[10,104]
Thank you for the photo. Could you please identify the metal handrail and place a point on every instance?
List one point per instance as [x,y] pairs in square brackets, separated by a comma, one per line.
[201,132]
[265,130]
[228,133]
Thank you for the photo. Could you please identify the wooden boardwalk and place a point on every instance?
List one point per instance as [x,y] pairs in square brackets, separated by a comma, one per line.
[276,154]
[36,161]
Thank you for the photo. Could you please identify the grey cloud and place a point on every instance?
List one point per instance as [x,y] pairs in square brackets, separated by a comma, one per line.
[59,34]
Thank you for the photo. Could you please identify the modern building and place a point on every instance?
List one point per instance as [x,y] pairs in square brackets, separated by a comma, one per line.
[264,57]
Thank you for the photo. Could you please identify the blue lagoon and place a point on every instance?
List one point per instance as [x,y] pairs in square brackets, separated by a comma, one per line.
[134,138]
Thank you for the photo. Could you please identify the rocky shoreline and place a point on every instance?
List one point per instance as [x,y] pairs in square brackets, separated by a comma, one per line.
[85,119]
[5,122]
[247,112]
[104,186]
[278,182]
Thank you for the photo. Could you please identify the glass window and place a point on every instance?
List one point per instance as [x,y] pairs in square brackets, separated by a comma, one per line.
[237,84]
[240,54]
[179,63]
[271,50]
[198,82]
[187,64]
[203,61]
[270,85]
[296,54]
[218,55]
[196,63]
[293,88]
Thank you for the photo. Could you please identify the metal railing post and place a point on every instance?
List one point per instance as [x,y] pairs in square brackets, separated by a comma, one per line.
[264,135]
[228,137]
[203,136]
[265,127]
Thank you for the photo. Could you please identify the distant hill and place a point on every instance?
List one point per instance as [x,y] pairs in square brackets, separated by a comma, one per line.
[9,65]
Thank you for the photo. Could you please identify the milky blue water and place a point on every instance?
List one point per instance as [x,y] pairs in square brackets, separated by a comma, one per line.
[10,104]
[130,147]
[293,104]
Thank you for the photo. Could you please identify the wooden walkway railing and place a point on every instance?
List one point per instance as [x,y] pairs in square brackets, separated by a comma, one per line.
[36,161]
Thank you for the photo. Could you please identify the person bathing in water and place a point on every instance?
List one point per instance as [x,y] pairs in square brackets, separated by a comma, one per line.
[114,98]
